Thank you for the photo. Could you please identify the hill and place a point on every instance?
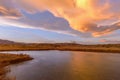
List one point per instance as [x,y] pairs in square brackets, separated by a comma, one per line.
[6,42]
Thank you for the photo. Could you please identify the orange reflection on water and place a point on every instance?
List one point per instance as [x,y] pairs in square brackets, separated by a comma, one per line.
[87,66]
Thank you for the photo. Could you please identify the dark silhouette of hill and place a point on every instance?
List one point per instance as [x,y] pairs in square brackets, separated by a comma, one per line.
[7,42]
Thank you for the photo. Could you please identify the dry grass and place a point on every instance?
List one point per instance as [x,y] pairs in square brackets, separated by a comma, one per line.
[7,59]
[114,48]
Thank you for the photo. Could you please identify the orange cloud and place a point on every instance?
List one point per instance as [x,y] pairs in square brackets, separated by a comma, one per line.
[9,13]
[86,16]
[82,15]
[109,41]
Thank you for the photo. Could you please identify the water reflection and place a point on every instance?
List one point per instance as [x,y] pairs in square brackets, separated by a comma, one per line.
[95,66]
[61,65]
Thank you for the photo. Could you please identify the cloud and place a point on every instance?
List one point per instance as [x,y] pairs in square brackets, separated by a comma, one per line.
[85,17]
[9,13]
[109,41]
[8,10]
[47,21]
[107,29]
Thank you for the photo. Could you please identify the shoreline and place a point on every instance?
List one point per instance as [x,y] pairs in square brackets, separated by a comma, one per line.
[9,59]
[109,48]
[83,50]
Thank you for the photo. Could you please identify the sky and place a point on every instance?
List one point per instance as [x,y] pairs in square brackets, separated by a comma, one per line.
[81,21]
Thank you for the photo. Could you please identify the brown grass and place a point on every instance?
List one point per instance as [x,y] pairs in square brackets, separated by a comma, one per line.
[7,59]
[114,48]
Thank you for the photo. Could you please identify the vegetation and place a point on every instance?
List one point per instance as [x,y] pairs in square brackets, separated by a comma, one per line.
[7,59]
[115,48]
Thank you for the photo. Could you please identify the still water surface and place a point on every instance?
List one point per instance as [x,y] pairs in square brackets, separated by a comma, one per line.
[67,65]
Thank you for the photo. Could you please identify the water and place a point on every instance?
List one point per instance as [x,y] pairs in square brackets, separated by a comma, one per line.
[67,65]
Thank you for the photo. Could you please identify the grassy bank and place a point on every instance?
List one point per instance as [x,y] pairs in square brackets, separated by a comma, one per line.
[7,59]
[114,48]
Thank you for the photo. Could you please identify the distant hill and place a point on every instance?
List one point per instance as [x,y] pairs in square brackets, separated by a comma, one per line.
[7,42]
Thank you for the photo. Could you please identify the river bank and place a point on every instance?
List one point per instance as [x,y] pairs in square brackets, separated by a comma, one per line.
[109,48]
[67,65]
[8,59]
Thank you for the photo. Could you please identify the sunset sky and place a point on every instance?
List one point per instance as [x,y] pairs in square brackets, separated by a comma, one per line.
[83,21]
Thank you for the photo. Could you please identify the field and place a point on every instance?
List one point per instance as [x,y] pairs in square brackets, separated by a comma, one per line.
[7,59]
[114,48]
